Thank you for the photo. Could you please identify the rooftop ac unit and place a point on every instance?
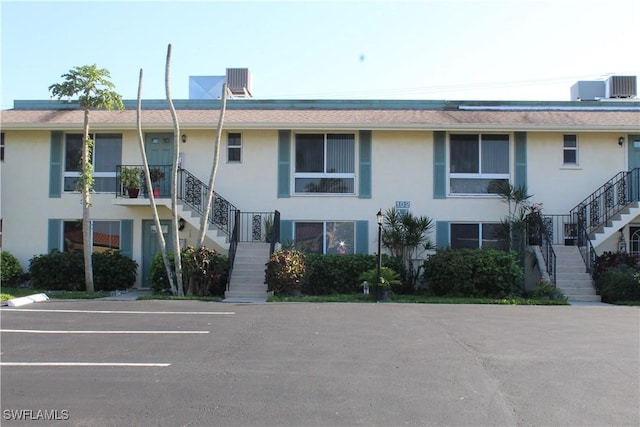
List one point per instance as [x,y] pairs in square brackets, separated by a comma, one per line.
[621,87]
[239,82]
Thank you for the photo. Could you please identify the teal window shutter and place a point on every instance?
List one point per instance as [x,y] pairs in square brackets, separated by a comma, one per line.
[284,163]
[126,237]
[286,231]
[442,234]
[520,175]
[54,234]
[362,237]
[365,165]
[55,165]
[439,165]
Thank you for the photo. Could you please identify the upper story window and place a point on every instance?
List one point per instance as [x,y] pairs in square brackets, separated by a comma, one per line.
[234,147]
[2,146]
[570,150]
[477,162]
[325,163]
[328,237]
[107,154]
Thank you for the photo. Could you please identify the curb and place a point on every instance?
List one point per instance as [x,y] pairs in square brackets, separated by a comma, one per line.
[17,302]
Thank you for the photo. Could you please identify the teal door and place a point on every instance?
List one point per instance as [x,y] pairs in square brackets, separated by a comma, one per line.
[151,246]
[634,151]
[159,149]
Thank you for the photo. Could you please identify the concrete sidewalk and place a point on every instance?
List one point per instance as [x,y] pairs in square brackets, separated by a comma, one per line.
[129,295]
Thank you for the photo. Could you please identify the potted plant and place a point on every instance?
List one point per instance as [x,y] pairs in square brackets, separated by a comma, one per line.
[268,228]
[156,174]
[131,180]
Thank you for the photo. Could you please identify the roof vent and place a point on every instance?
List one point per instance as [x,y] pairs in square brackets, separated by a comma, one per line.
[239,82]
[621,87]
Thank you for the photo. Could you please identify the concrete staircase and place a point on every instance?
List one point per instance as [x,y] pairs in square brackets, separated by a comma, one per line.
[247,279]
[617,222]
[571,276]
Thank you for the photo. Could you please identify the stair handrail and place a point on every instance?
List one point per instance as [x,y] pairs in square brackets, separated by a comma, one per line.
[233,245]
[607,201]
[546,247]
[193,193]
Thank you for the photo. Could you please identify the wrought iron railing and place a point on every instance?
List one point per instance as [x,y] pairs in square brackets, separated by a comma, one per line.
[160,180]
[546,246]
[599,208]
[194,193]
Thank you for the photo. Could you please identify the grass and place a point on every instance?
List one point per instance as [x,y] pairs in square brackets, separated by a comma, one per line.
[10,293]
[415,299]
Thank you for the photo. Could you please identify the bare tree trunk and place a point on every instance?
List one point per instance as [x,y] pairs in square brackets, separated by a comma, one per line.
[204,223]
[154,207]
[174,178]
[87,238]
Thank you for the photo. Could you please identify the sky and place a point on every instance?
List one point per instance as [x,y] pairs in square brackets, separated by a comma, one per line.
[420,49]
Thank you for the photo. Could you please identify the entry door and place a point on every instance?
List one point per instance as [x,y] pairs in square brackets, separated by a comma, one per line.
[159,148]
[634,151]
[151,246]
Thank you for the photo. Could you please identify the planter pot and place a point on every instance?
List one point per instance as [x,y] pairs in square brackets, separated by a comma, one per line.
[133,192]
[156,192]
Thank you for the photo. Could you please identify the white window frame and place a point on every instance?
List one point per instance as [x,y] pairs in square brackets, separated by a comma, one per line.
[77,174]
[234,147]
[325,174]
[566,149]
[343,243]
[480,226]
[92,223]
[480,175]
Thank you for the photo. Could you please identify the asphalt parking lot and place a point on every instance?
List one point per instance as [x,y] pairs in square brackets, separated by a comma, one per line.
[189,363]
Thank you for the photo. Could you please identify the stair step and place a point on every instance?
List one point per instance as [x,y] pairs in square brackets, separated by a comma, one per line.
[242,294]
[583,298]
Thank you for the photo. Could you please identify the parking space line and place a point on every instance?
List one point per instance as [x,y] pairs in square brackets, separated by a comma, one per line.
[199,313]
[44,331]
[91,364]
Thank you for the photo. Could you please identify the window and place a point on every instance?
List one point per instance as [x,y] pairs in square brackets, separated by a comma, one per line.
[325,163]
[478,162]
[105,236]
[107,153]
[468,236]
[325,237]
[234,147]
[2,146]
[570,150]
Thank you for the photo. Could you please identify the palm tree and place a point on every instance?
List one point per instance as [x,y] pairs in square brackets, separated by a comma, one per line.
[94,91]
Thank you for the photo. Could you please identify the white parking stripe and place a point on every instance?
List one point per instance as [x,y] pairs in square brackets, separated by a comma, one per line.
[133,365]
[44,331]
[201,313]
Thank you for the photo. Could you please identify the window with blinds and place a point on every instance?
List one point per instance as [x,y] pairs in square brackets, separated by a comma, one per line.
[477,162]
[325,163]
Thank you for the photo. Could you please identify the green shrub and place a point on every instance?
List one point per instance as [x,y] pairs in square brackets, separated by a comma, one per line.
[10,269]
[619,284]
[285,271]
[545,290]
[205,272]
[388,277]
[158,274]
[473,273]
[609,260]
[64,271]
[340,274]
[112,270]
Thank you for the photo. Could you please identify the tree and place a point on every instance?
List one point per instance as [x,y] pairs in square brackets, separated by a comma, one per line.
[406,236]
[94,91]
[174,177]
[516,199]
[154,206]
